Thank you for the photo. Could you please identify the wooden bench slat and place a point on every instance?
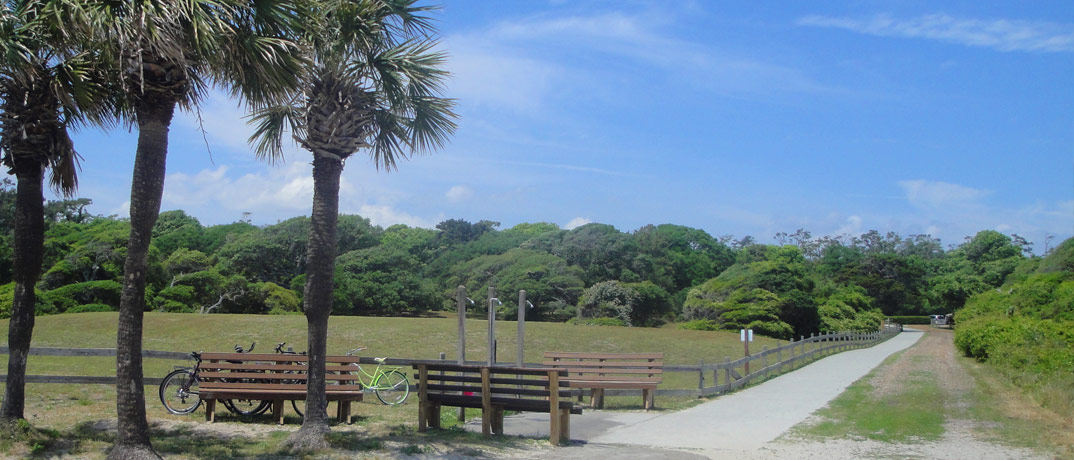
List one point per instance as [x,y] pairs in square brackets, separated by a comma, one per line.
[494,370]
[588,355]
[266,367]
[298,387]
[269,376]
[572,371]
[492,380]
[608,364]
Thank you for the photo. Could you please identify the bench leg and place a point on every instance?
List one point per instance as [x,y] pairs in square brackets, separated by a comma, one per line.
[344,411]
[210,410]
[497,420]
[565,426]
[428,416]
[486,421]
[597,398]
[277,411]
[648,395]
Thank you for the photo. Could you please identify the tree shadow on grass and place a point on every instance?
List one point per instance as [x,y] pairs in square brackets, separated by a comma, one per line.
[198,439]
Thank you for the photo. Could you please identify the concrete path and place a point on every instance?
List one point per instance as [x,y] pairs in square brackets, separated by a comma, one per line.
[744,420]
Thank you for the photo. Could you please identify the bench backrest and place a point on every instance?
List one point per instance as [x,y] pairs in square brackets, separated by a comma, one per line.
[514,388]
[274,371]
[641,367]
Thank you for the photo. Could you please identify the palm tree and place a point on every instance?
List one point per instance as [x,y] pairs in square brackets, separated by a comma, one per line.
[45,87]
[169,53]
[373,82]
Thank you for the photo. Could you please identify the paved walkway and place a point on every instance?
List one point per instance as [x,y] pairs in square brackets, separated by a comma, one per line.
[744,420]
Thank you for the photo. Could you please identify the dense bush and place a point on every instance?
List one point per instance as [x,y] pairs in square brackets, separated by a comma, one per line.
[597,322]
[93,307]
[904,320]
[70,296]
[700,325]
[1026,328]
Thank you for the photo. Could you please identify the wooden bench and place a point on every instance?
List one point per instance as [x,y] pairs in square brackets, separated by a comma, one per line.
[494,390]
[600,371]
[274,377]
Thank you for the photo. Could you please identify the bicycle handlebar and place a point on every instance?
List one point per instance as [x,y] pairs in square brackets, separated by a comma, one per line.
[238,348]
[356,350]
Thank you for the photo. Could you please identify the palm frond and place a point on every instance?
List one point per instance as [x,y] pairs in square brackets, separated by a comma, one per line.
[270,124]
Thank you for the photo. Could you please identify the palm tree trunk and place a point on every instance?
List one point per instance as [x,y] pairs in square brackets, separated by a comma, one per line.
[29,249]
[132,430]
[317,299]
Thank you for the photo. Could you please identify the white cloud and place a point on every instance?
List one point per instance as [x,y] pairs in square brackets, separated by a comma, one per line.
[852,226]
[459,193]
[123,210]
[936,194]
[386,216]
[1000,34]
[577,222]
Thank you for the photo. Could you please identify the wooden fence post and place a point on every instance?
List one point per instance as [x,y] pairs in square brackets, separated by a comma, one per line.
[700,378]
[779,356]
[727,371]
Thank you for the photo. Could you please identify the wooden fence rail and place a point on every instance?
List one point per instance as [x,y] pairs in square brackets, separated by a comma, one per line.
[713,378]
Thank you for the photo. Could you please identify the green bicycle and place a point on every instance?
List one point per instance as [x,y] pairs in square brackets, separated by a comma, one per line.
[389,384]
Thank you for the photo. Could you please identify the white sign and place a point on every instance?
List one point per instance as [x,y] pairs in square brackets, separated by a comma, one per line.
[745,335]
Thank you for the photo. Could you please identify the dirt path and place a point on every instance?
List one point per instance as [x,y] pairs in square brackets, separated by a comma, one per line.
[934,356]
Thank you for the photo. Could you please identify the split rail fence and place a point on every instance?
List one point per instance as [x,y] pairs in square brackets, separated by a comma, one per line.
[712,378]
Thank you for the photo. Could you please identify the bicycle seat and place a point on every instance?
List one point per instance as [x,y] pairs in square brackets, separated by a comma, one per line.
[379,360]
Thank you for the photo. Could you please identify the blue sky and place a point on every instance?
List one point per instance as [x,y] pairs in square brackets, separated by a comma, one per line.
[734,117]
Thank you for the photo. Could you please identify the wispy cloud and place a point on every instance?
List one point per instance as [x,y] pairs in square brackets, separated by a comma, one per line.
[577,222]
[1000,34]
[936,194]
[459,193]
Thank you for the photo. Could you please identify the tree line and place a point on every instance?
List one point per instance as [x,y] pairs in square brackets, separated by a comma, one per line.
[593,273]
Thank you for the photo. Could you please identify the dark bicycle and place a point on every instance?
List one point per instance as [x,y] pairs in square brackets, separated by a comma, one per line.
[179,390]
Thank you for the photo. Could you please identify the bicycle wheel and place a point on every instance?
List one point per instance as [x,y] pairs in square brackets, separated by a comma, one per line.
[300,408]
[247,407]
[179,392]
[392,387]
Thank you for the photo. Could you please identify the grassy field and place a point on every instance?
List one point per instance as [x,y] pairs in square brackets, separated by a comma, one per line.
[81,413]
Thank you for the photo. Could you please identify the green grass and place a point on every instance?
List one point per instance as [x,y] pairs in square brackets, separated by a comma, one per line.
[1011,417]
[912,415]
[72,410]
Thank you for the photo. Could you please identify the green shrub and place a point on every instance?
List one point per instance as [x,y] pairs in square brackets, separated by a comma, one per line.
[70,296]
[597,322]
[910,319]
[700,325]
[978,337]
[93,307]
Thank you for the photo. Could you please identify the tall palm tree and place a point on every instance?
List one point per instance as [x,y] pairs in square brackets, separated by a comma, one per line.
[169,53]
[46,85]
[373,81]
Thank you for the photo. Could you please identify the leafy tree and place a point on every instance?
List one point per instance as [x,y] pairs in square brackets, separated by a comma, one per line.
[373,81]
[550,283]
[174,230]
[652,304]
[771,293]
[608,299]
